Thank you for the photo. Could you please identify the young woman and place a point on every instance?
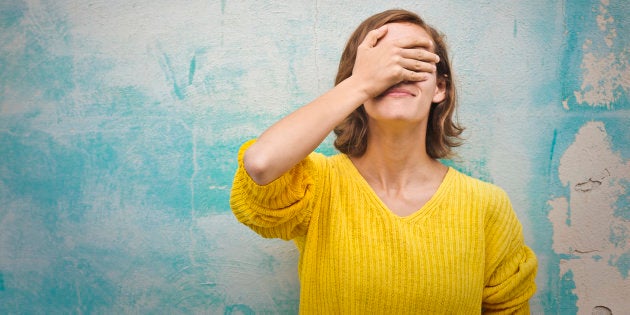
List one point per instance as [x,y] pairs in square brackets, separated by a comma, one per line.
[384,227]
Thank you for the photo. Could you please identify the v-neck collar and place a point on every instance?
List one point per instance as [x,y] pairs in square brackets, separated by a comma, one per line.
[429,207]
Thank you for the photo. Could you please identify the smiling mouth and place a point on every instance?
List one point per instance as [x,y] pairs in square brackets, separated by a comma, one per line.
[397,92]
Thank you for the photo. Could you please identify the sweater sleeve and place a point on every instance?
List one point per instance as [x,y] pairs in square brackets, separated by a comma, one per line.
[510,265]
[282,208]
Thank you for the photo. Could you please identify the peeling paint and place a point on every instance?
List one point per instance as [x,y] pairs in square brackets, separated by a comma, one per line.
[598,175]
[606,76]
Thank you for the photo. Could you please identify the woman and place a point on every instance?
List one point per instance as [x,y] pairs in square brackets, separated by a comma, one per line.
[384,227]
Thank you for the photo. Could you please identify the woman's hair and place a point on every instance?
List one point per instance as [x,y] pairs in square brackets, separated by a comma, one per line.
[442,132]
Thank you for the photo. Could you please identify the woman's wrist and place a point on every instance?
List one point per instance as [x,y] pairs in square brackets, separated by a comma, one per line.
[356,89]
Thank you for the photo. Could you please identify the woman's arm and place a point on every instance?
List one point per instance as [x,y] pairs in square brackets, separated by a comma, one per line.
[511,265]
[377,68]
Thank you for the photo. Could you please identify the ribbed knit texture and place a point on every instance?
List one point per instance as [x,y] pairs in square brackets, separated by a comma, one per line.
[461,253]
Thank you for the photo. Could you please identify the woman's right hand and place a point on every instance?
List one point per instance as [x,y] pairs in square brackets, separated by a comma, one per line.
[381,64]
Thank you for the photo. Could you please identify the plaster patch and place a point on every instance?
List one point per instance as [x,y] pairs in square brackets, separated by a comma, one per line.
[588,236]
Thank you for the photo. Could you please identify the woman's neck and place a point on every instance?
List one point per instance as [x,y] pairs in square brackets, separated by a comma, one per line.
[398,158]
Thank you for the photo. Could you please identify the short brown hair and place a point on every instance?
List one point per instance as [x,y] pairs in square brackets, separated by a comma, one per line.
[442,132]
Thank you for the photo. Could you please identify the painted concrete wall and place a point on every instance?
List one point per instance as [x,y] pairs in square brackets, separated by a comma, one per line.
[120,121]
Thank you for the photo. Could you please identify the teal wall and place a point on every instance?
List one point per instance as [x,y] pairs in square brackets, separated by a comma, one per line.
[120,122]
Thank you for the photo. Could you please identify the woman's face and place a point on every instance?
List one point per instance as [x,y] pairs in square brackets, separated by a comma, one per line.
[406,102]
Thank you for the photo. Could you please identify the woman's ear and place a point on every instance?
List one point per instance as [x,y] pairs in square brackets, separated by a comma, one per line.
[440,90]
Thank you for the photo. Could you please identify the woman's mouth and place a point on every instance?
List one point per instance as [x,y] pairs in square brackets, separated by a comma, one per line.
[398,92]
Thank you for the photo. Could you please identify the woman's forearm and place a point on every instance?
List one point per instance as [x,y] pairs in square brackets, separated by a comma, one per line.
[376,68]
[292,138]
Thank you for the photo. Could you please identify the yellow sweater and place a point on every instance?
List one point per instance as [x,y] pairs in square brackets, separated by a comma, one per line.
[461,253]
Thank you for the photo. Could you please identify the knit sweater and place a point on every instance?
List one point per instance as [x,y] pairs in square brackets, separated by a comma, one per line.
[462,253]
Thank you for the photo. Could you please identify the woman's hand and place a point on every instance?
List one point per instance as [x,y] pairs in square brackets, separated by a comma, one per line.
[381,64]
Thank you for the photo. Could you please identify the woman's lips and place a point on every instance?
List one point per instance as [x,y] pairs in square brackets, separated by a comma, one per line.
[398,91]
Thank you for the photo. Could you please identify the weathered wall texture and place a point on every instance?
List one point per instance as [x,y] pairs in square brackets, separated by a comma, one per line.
[120,121]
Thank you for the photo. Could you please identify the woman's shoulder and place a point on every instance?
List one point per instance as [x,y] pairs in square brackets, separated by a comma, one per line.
[488,198]
[475,187]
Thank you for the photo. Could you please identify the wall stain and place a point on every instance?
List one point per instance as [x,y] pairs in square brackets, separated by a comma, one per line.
[623,264]
[515,32]
[554,139]
[238,309]
[191,70]
[12,14]
[169,71]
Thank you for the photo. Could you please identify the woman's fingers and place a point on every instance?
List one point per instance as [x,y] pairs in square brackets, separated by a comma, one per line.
[417,55]
[420,54]
[415,42]
[417,66]
[373,36]
[379,64]
[414,76]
